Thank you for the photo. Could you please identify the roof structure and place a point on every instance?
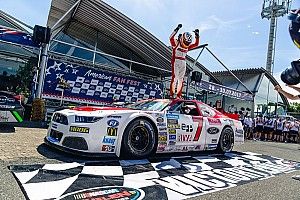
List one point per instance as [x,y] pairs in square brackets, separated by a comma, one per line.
[251,77]
[84,18]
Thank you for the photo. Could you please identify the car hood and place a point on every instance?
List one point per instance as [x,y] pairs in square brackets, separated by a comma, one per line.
[97,111]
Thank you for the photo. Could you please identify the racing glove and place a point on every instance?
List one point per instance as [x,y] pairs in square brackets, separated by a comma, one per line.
[178,27]
[196,31]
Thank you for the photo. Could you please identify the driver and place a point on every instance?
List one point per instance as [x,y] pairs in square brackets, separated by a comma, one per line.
[180,47]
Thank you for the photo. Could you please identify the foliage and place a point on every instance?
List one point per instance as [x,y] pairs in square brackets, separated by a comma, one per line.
[294,107]
[25,76]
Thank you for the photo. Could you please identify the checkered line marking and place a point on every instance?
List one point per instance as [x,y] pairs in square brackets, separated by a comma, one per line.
[159,177]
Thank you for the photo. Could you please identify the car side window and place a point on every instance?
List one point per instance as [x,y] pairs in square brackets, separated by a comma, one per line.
[206,111]
[186,108]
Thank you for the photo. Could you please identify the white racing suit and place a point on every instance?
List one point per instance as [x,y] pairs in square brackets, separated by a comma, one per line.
[178,64]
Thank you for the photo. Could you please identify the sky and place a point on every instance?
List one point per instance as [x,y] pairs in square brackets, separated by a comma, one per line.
[233,29]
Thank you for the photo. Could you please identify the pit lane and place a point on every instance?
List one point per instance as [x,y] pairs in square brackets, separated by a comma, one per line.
[25,146]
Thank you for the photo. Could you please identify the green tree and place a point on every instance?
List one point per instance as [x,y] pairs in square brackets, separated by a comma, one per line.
[25,76]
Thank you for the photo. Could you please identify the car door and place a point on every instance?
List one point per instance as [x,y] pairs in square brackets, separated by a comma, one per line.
[213,126]
[185,127]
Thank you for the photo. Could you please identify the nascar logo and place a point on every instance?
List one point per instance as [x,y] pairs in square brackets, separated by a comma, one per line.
[79,129]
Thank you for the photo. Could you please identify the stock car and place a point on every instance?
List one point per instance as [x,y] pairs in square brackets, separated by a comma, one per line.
[143,129]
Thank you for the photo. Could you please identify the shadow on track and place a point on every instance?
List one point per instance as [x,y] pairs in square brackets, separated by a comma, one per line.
[52,153]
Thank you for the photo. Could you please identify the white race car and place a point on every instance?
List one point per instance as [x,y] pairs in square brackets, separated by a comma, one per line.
[144,128]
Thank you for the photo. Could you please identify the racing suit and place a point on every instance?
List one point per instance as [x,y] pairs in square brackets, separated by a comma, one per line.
[178,63]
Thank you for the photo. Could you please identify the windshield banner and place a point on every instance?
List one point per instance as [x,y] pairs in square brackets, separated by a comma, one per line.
[88,85]
[223,90]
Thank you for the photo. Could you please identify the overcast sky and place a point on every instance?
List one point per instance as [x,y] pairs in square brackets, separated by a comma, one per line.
[233,29]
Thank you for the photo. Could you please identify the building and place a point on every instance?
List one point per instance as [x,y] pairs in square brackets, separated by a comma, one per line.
[16,61]
[261,83]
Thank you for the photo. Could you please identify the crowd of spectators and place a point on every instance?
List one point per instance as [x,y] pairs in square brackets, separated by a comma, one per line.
[279,128]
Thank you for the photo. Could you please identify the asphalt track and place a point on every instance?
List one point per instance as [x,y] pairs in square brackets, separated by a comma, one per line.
[25,147]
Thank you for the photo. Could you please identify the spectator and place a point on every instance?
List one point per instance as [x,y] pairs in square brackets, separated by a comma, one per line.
[248,127]
[286,129]
[294,131]
[278,130]
[259,123]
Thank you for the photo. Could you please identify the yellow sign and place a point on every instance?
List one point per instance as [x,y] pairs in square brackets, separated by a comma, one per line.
[162,138]
[79,129]
[112,131]
[172,131]
[174,126]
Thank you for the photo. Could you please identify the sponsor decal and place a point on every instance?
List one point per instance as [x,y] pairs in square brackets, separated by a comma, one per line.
[108,148]
[172,121]
[114,116]
[174,126]
[162,138]
[231,123]
[161,146]
[239,133]
[3,118]
[185,138]
[107,193]
[160,119]
[52,140]
[172,116]
[198,147]
[172,137]
[213,121]
[108,140]
[54,126]
[172,142]
[161,124]
[113,123]
[162,128]
[112,131]
[79,129]
[214,141]
[187,127]
[213,130]
[163,133]
[211,146]
[172,131]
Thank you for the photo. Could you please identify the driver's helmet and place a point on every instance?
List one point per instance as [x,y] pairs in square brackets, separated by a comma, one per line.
[186,39]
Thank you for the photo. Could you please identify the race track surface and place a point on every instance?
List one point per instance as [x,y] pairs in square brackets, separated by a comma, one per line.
[25,147]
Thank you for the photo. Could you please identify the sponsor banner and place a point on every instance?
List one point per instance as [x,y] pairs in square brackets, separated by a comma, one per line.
[167,177]
[79,129]
[220,89]
[95,86]
[17,37]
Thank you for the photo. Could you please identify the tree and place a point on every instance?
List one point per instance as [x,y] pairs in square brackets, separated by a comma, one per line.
[25,76]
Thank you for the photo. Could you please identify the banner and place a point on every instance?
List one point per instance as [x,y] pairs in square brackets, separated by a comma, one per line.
[88,85]
[223,90]
[16,37]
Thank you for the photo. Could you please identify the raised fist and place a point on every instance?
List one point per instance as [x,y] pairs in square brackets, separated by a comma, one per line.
[196,31]
[178,27]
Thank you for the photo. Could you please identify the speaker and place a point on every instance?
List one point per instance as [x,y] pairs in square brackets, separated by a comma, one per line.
[196,76]
[41,34]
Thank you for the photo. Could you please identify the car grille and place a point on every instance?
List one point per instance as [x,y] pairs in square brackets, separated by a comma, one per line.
[56,134]
[75,143]
[59,118]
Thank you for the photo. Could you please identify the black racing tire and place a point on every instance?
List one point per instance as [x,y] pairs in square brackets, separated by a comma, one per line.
[226,140]
[139,139]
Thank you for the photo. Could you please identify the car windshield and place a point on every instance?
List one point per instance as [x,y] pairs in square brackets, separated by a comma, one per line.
[150,105]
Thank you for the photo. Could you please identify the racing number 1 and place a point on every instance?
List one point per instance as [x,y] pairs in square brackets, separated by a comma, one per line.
[199,128]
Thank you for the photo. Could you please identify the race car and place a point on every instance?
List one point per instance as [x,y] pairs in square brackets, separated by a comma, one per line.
[143,129]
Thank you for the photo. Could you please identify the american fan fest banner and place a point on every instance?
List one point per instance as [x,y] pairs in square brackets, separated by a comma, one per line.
[88,85]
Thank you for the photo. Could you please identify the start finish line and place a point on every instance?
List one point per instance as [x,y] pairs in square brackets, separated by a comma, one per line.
[155,178]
